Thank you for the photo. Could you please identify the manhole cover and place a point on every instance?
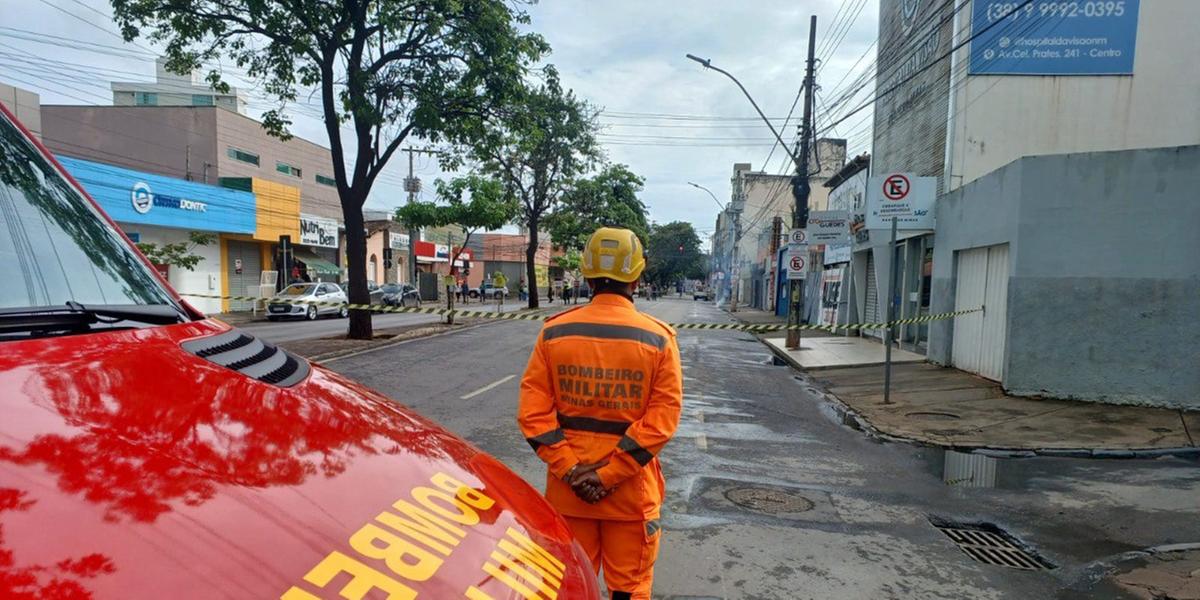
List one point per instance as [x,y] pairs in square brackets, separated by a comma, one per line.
[768,501]
[991,545]
[934,415]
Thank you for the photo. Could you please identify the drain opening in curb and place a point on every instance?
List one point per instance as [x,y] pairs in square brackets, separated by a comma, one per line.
[933,415]
[988,544]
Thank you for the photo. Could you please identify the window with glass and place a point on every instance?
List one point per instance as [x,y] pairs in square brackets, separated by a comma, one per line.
[242,155]
[287,169]
[145,98]
[56,247]
[202,100]
[323,180]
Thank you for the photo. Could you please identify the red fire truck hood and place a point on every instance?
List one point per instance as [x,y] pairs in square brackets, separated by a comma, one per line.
[131,467]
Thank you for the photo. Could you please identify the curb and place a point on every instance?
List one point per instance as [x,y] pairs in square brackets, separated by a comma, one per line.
[1090,574]
[854,419]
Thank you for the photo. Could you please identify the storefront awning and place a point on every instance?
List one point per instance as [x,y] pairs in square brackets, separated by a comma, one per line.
[316,263]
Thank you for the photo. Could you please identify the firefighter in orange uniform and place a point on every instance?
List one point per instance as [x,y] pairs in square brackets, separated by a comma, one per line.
[600,398]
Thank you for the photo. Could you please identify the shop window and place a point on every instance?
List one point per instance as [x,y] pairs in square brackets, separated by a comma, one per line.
[287,169]
[242,155]
[323,180]
[145,98]
[202,100]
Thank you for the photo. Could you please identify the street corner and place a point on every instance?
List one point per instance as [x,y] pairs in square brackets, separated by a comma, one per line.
[1161,573]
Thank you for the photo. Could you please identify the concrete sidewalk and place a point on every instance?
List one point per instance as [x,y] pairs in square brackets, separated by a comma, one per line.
[950,408]
[830,351]
[947,407]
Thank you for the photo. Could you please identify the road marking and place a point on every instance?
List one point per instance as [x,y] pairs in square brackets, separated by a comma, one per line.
[702,442]
[486,387]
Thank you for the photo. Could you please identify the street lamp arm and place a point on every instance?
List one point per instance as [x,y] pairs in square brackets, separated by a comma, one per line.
[707,63]
[714,196]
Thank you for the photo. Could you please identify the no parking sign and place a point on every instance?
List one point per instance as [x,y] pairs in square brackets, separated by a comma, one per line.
[796,260]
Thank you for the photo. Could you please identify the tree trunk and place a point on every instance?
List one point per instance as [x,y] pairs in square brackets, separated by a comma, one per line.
[356,259]
[530,267]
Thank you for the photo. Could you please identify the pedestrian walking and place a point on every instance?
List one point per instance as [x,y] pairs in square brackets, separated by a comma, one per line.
[465,290]
[600,397]
[523,291]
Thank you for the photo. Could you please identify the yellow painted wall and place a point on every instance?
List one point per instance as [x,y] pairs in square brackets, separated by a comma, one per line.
[278,210]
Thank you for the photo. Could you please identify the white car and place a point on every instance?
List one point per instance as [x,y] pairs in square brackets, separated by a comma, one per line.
[296,300]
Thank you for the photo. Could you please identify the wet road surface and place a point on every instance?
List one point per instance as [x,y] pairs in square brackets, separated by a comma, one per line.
[291,330]
[771,496]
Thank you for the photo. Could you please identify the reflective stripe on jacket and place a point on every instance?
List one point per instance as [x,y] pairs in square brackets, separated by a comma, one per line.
[603,382]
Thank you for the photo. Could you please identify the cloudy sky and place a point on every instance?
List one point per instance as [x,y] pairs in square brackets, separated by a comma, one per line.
[668,118]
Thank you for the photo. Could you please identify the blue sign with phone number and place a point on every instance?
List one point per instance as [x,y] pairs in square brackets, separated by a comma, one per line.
[1045,37]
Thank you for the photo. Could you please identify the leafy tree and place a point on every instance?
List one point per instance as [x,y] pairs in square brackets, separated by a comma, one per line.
[544,142]
[570,262]
[607,199]
[178,254]
[489,207]
[675,254]
[383,71]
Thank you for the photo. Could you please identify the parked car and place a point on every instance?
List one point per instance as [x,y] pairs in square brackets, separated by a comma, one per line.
[488,291]
[152,452]
[700,293]
[297,300]
[376,292]
[396,294]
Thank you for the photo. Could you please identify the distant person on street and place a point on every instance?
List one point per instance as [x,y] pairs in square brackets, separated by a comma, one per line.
[465,290]
[600,398]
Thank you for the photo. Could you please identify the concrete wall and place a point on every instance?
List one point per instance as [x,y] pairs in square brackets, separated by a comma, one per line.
[205,279]
[1002,118]
[25,105]
[1104,287]
[150,139]
[312,159]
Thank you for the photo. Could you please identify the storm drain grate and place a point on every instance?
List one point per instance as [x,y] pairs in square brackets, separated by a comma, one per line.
[991,545]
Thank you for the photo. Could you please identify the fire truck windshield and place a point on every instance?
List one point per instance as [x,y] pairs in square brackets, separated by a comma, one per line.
[55,247]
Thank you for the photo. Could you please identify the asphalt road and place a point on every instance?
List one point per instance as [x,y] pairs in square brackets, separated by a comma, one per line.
[771,496]
[291,330]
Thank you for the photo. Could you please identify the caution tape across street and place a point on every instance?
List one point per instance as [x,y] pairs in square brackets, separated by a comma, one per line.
[519,316]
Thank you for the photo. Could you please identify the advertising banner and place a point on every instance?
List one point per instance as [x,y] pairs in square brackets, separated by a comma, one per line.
[318,231]
[828,226]
[1047,37]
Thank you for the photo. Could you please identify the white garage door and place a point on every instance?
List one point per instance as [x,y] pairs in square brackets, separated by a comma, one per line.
[979,337]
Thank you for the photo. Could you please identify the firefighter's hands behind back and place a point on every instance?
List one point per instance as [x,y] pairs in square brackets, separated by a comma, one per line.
[586,483]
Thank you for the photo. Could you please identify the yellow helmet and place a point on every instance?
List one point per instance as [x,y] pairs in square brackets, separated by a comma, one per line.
[613,253]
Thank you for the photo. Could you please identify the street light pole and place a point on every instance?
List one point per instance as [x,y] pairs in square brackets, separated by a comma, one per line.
[735,235]
[800,184]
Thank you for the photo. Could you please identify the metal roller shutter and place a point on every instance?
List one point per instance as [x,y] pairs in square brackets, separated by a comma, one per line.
[871,308]
[246,282]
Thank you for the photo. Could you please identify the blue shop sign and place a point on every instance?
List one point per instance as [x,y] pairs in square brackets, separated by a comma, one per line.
[130,196]
[1045,37]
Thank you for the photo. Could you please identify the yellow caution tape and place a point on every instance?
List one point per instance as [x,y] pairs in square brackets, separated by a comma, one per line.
[520,316]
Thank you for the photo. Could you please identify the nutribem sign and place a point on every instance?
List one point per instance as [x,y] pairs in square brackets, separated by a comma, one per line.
[318,231]
[903,196]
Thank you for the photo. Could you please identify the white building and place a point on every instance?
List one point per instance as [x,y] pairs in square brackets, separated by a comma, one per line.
[172,89]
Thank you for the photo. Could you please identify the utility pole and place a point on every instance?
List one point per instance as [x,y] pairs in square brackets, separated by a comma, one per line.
[800,185]
[412,185]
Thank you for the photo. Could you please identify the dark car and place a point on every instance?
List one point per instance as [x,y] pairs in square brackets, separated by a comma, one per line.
[400,294]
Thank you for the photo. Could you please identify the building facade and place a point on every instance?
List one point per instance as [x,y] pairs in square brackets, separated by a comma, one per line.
[1085,267]
[173,89]
[160,210]
[26,105]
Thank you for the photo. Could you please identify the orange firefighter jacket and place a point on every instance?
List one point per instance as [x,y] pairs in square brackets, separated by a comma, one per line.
[603,382]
